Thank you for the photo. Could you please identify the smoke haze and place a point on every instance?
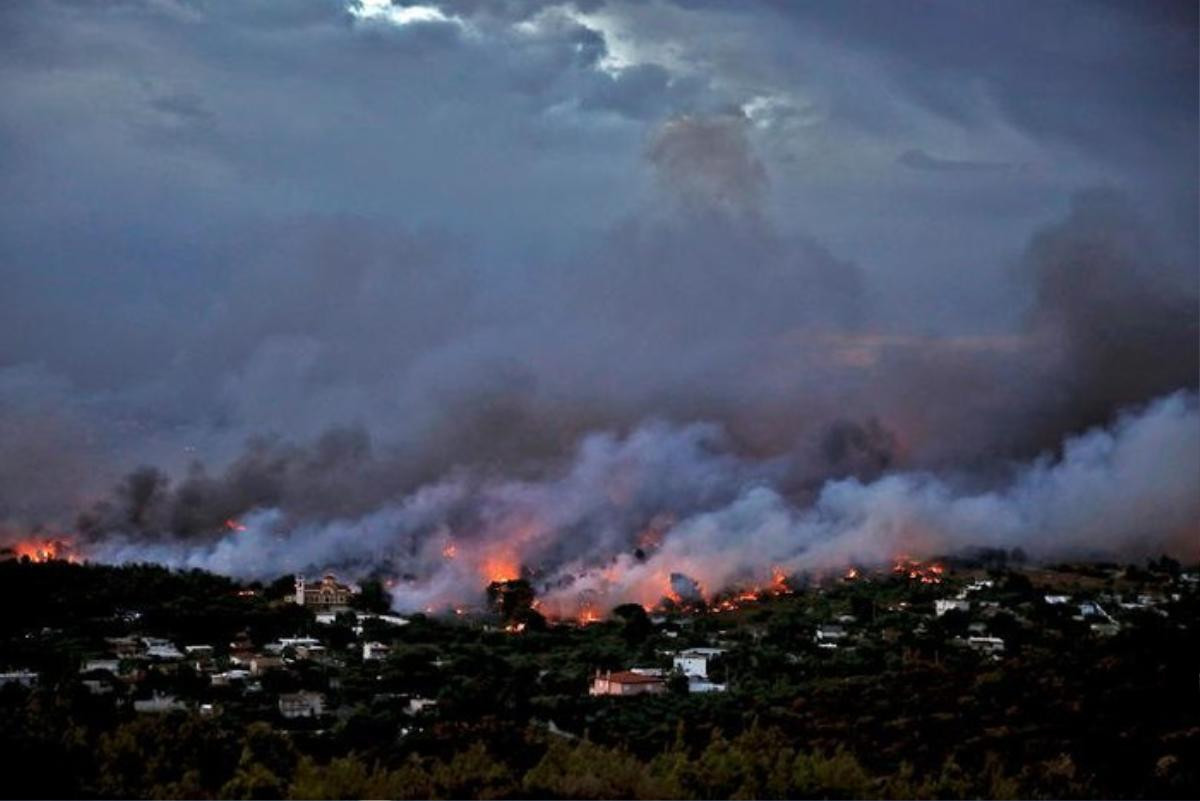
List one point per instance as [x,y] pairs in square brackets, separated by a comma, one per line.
[603,293]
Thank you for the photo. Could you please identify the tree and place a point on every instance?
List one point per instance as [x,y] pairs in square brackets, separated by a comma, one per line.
[637,626]
[265,767]
[510,597]
[373,597]
[280,588]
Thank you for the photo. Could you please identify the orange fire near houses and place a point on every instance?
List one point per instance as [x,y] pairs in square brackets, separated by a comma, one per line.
[916,570]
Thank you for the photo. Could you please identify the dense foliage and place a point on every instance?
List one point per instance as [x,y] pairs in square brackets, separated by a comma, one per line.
[904,712]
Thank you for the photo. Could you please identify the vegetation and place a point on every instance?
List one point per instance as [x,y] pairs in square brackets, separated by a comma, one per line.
[901,710]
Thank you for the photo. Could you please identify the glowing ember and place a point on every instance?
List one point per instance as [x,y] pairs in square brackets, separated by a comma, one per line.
[234,525]
[450,551]
[851,574]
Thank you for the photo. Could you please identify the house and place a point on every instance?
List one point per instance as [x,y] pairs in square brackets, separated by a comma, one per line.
[326,596]
[224,679]
[301,705]
[691,665]
[158,648]
[694,661]
[648,671]
[98,686]
[827,635]
[123,647]
[417,704]
[25,678]
[626,682]
[1057,600]
[988,645]
[1089,609]
[943,605]
[699,685]
[375,650]
[262,664]
[293,642]
[112,666]
[313,652]
[158,703]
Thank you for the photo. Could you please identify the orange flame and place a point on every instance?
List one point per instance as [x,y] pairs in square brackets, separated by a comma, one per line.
[500,567]
[916,570]
[234,525]
[588,614]
[47,550]
[450,551]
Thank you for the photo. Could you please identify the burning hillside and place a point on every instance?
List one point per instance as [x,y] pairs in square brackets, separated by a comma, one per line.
[668,517]
[42,550]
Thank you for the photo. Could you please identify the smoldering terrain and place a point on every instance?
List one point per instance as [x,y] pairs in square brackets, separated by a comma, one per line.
[690,387]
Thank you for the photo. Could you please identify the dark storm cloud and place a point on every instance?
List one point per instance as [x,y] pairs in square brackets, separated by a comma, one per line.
[308,260]
[1113,77]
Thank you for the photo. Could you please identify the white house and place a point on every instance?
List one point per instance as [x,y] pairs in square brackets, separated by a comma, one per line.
[417,704]
[223,679]
[989,645]
[696,684]
[691,665]
[694,661]
[301,705]
[158,648]
[26,678]
[158,703]
[943,605]
[1056,600]
[296,642]
[113,666]
[374,650]
[827,636]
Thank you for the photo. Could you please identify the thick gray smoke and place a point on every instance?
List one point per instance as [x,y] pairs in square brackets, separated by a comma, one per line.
[822,443]
[596,292]
[597,531]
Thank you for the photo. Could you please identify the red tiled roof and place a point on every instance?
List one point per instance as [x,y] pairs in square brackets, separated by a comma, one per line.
[629,677]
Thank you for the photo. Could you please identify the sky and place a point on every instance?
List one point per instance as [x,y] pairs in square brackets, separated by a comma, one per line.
[316,255]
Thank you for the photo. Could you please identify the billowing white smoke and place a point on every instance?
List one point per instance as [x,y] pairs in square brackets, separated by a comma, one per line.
[1133,488]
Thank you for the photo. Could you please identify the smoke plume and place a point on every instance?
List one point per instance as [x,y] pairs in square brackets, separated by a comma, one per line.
[596,531]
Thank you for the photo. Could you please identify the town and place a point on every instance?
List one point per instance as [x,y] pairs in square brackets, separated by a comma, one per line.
[981,661]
